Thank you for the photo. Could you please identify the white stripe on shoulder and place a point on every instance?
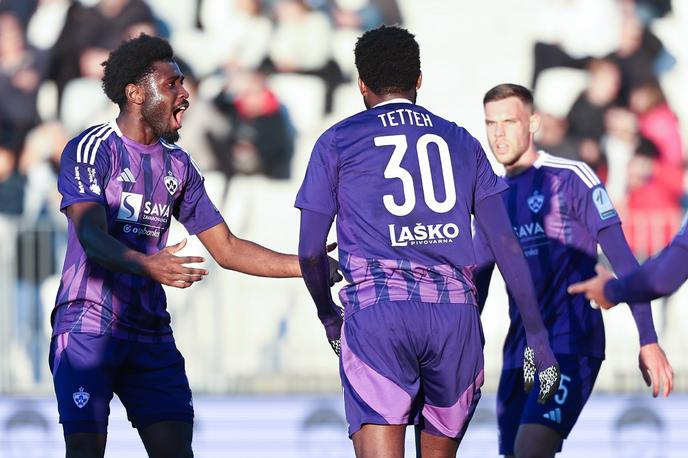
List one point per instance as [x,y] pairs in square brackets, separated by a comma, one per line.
[582,165]
[581,169]
[93,139]
[94,150]
[83,140]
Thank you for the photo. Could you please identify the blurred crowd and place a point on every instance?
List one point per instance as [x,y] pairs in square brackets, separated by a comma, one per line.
[621,123]
[50,68]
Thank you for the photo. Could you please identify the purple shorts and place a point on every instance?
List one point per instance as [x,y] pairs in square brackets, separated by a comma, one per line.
[407,362]
[148,378]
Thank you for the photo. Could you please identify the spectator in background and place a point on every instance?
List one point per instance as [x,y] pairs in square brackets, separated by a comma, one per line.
[239,30]
[11,184]
[657,122]
[586,117]
[553,137]
[22,69]
[261,139]
[363,15]
[90,32]
[293,48]
[653,203]
[641,56]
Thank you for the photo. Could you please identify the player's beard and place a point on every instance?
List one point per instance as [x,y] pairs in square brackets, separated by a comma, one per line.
[155,113]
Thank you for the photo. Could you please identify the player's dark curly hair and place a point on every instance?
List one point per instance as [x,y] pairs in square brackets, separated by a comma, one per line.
[388,60]
[131,63]
[506,90]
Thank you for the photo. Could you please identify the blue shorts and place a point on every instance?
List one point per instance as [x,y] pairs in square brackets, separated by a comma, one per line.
[560,413]
[412,363]
[148,378]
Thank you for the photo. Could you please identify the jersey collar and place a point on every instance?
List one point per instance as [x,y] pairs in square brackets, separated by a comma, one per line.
[397,100]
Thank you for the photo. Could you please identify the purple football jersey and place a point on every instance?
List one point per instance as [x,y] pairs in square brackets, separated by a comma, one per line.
[141,188]
[557,207]
[403,183]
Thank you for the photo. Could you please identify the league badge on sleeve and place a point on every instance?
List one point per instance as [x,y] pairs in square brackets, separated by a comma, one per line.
[603,204]
[81,397]
[171,183]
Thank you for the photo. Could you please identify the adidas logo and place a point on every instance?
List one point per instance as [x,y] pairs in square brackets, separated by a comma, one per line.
[554,415]
[126,176]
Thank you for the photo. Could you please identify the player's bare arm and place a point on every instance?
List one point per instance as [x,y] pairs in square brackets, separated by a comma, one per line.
[165,267]
[234,253]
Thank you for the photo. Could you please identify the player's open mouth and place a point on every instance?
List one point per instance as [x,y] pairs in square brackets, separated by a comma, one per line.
[178,113]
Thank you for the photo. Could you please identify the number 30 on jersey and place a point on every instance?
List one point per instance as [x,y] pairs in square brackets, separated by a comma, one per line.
[395,170]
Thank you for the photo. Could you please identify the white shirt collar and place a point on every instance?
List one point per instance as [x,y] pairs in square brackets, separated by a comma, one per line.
[397,100]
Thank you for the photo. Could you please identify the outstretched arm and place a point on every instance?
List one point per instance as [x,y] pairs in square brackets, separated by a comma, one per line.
[493,219]
[247,257]
[660,276]
[90,224]
[653,363]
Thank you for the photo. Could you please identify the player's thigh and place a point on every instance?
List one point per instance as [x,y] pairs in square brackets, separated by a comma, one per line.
[85,445]
[560,413]
[510,402]
[168,439]
[433,446]
[379,366]
[379,441]
[154,388]
[83,367]
[451,369]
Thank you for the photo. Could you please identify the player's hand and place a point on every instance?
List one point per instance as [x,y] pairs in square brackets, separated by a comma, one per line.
[594,288]
[335,275]
[167,268]
[333,327]
[656,370]
[545,364]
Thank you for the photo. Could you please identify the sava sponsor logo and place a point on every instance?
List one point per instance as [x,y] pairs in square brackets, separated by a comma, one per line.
[529,230]
[422,234]
[141,230]
[132,204]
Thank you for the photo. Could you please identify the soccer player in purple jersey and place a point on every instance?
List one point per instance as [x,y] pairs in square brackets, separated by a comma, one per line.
[121,183]
[659,276]
[559,211]
[403,183]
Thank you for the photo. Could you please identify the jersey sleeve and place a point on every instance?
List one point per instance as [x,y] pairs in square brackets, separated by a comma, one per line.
[195,210]
[83,173]
[487,182]
[483,252]
[318,191]
[591,203]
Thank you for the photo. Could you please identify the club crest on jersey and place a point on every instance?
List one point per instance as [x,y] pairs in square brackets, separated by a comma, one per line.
[536,201]
[81,397]
[171,183]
